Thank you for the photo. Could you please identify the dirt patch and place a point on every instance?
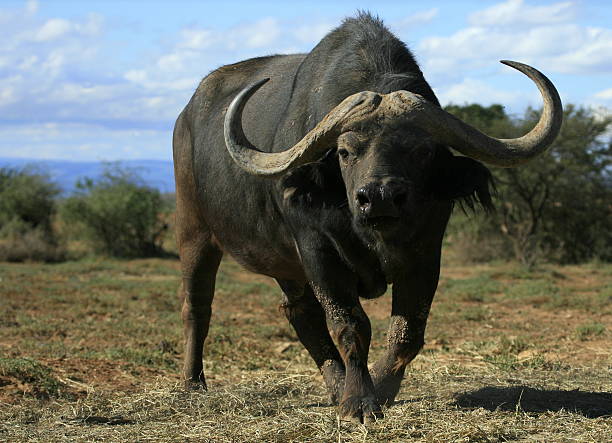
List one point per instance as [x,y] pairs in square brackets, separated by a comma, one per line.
[93,352]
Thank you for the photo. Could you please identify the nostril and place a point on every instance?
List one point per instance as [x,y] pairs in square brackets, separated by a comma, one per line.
[399,199]
[362,198]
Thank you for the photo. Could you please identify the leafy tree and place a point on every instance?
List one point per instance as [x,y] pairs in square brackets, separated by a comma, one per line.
[117,214]
[560,203]
[557,206]
[26,196]
[492,119]
[27,207]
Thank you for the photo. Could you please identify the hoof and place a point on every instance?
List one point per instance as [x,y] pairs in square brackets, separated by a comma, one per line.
[386,393]
[387,387]
[363,410]
[195,385]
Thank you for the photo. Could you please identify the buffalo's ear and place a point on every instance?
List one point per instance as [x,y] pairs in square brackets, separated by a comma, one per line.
[462,179]
[314,185]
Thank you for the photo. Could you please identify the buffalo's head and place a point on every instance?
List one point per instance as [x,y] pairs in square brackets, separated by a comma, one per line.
[391,151]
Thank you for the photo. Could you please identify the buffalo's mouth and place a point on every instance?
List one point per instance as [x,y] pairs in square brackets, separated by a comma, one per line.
[380,223]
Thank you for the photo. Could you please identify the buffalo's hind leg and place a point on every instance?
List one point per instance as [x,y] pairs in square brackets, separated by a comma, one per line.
[199,262]
[307,317]
[200,257]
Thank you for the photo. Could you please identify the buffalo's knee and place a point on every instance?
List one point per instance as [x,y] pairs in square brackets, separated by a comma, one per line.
[405,353]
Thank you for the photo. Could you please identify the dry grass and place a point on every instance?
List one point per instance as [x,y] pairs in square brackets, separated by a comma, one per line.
[442,404]
[90,351]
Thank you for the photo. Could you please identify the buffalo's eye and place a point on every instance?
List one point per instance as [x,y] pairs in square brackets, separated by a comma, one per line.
[343,153]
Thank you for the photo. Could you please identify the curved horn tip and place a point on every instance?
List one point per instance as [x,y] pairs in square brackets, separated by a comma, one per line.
[521,67]
[253,87]
[513,152]
[515,65]
[262,81]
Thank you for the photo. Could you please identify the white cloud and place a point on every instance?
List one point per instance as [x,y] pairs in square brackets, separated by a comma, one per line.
[561,47]
[54,63]
[589,50]
[56,28]
[601,103]
[52,29]
[64,72]
[416,19]
[197,51]
[515,13]
[7,96]
[31,7]
[606,94]
[51,71]
[93,26]
[27,62]
[475,91]
[77,141]
[171,62]
[196,39]
[81,94]
[136,76]
[260,34]
[312,33]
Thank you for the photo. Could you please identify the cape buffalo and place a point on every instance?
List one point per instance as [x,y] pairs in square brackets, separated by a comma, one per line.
[336,179]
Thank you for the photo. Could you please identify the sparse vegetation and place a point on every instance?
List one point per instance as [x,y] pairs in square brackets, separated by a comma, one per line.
[589,330]
[36,379]
[553,209]
[27,208]
[91,351]
[118,214]
[477,289]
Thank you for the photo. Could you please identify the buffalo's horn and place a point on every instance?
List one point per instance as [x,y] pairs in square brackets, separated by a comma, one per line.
[308,149]
[369,106]
[449,130]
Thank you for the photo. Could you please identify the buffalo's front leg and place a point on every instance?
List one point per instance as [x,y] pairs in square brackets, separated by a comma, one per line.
[307,317]
[351,328]
[412,297]
[335,287]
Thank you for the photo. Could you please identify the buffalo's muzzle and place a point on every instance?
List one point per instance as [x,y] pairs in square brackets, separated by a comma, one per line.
[380,204]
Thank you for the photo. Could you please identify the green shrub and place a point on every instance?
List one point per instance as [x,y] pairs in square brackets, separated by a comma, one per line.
[117,215]
[37,378]
[19,242]
[27,208]
[589,330]
[555,208]
[476,289]
[475,239]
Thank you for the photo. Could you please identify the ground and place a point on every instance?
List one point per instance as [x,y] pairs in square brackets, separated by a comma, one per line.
[90,351]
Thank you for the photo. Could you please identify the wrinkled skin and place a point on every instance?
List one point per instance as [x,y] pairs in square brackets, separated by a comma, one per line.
[371,212]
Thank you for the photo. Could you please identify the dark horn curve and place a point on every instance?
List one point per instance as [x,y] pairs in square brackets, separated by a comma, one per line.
[506,153]
[308,149]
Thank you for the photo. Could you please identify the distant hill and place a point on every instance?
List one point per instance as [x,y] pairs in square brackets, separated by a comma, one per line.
[158,174]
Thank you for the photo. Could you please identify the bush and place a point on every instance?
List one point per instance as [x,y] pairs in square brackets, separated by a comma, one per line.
[475,239]
[20,242]
[27,207]
[33,377]
[555,208]
[117,214]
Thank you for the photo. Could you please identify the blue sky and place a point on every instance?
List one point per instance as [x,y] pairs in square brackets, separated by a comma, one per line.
[105,80]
